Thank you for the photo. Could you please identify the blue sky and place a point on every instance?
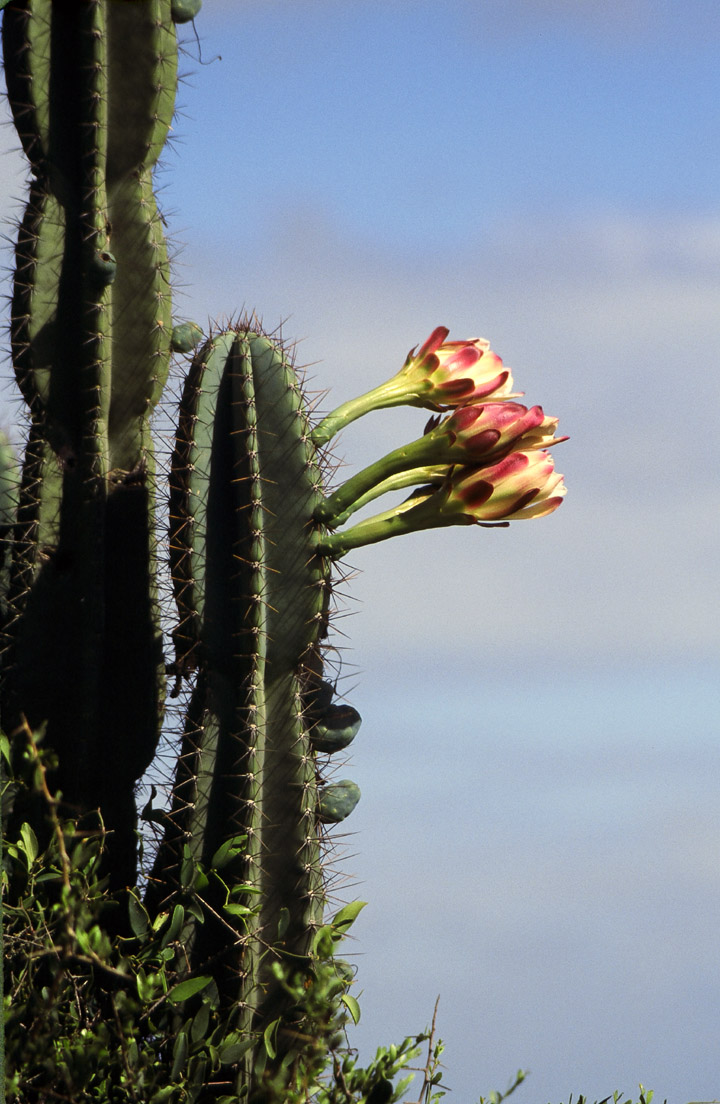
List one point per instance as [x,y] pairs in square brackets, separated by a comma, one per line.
[539,834]
[416,121]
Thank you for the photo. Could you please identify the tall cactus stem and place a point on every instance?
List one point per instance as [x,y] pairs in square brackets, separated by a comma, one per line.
[253,599]
[91,87]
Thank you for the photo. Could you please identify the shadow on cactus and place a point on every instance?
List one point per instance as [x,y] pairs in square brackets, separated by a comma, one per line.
[220,981]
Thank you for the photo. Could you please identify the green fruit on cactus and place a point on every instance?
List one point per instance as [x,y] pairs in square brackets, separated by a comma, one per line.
[103,268]
[337,801]
[185,10]
[336,729]
[186,336]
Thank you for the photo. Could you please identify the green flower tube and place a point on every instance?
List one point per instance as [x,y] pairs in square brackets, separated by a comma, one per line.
[415,477]
[439,375]
[521,485]
[471,435]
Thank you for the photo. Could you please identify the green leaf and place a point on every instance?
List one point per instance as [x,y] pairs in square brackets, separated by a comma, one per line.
[139,918]
[145,985]
[189,988]
[196,1073]
[323,942]
[243,888]
[30,843]
[237,910]
[4,742]
[176,923]
[347,916]
[268,1038]
[180,1055]
[352,1006]
[200,1024]
[162,1094]
[159,920]
[48,876]
[233,1046]
[195,909]
[227,851]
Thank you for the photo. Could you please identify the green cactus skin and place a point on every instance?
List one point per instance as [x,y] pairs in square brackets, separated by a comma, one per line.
[9,493]
[9,484]
[253,600]
[92,89]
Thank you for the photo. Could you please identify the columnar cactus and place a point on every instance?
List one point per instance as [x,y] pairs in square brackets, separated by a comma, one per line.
[92,90]
[229,939]
[253,599]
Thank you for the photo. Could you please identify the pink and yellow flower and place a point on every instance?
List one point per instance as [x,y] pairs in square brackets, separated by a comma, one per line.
[444,374]
[471,435]
[521,485]
[490,429]
[440,375]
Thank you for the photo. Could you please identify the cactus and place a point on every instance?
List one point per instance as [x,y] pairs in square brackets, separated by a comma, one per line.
[9,487]
[253,600]
[92,89]
[227,962]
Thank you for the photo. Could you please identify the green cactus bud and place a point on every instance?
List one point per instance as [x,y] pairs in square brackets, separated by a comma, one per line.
[336,730]
[186,336]
[103,268]
[337,801]
[185,10]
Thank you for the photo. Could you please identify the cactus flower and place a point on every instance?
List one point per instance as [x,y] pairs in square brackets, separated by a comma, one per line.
[440,375]
[470,435]
[490,429]
[444,374]
[521,485]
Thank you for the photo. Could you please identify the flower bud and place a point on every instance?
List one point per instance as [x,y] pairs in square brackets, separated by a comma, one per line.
[440,375]
[445,374]
[491,429]
[522,485]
